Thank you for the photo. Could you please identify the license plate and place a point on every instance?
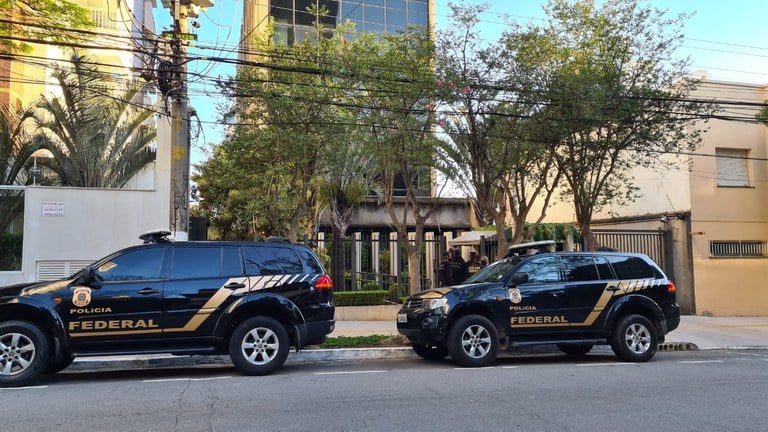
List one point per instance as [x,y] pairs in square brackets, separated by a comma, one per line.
[402,318]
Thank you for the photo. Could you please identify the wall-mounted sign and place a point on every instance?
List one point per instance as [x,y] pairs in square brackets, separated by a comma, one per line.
[52,208]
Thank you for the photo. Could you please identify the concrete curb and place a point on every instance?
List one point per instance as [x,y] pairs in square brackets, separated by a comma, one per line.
[313,355]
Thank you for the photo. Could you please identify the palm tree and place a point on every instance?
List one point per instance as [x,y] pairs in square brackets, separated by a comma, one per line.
[16,147]
[97,137]
[344,185]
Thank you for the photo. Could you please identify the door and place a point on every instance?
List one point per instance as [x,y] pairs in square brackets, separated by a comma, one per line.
[539,306]
[587,284]
[202,281]
[123,303]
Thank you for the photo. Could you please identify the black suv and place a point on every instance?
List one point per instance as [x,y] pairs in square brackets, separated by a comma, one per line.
[573,300]
[251,300]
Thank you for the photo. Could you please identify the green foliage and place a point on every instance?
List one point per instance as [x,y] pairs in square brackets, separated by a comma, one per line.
[10,252]
[554,231]
[394,293]
[41,20]
[371,286]
[763,114]
[355,341]
[360,298]
[97,140]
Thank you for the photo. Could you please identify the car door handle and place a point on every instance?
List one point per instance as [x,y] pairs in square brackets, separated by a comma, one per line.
[235,285]
[148,291]
[612,289]
[557,293]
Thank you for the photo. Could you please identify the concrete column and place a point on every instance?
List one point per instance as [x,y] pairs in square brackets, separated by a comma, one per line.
[357,256]
[431,257]
[321,240]
[394,255]
[375,250]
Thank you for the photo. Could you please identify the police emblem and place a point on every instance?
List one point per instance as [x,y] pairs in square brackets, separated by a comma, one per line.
[515,296]
[81,297]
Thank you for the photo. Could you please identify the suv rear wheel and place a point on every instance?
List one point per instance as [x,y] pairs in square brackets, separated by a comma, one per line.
[473,341]
[634,338]
[23,353]
[259,346]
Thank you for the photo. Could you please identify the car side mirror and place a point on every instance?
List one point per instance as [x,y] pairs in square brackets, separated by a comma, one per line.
[518,279]
[89,275]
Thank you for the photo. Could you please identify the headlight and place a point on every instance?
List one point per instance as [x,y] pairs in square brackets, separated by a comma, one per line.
[433,303]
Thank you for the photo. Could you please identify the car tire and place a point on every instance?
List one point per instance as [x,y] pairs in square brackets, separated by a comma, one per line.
[574,350]
[259,346]
[24,352]
[634,338]
[473,341]
[58,365]
[430,352]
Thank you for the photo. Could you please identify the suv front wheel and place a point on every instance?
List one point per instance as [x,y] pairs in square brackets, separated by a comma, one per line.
[23,353]
[473,341]
[634,339]
[259,346]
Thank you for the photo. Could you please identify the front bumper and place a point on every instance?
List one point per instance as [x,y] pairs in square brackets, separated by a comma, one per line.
[423,327]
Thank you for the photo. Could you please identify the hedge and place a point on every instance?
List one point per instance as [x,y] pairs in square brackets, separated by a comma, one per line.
[10,252]
[361,298]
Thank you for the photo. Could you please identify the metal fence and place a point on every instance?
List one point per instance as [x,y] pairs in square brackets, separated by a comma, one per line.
[649,242]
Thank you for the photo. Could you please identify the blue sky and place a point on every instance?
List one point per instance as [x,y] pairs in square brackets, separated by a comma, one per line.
[727,39]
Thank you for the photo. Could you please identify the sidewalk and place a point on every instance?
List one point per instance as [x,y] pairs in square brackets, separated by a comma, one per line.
[694,333]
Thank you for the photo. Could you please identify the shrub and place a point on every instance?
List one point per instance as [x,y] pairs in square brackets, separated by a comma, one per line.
[361,298]
[10,251]
[371,286]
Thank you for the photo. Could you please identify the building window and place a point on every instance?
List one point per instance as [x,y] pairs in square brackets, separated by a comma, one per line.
[737,248]
[732,167]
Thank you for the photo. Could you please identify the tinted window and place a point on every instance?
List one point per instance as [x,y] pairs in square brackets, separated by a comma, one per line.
[231,261]
[196,262]
[261,260]
[631,268]
[141,264]
[603,269]
[541,270]
[310,262]
[579,268]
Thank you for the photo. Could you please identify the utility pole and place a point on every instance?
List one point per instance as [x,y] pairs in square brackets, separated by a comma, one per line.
[178,103]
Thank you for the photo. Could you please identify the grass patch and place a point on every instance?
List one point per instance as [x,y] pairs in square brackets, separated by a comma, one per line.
[365,341]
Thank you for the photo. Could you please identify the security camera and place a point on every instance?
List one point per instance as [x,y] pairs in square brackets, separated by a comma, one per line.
[664,219]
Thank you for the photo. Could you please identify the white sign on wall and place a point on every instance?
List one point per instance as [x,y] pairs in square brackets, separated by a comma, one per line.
[51,208]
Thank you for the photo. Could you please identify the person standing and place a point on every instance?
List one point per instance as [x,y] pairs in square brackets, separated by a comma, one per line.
[474,265]
[444,270]
[458,267]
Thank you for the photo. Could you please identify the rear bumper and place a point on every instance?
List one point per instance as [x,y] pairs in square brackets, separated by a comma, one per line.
[315,330]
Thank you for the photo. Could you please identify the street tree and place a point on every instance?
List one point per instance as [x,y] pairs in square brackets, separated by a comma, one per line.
[98,138]
[617,98]
[287,117]
[28,21]
[396,73]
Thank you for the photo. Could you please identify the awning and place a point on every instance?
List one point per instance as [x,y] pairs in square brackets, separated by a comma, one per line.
[471,238]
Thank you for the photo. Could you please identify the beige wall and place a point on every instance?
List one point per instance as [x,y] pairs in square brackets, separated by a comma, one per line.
[730,286]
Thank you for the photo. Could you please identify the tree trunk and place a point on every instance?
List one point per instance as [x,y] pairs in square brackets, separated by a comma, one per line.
[337,258]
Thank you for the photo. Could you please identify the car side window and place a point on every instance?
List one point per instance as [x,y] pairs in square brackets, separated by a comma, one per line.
[627,267]
[263,260]
[231,261]
[139,264]
[311,263]
[541,270]
[579,268]
[196,262]
[603,268]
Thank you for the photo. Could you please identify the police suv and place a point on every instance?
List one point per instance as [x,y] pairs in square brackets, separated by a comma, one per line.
[250,300]
[572,300]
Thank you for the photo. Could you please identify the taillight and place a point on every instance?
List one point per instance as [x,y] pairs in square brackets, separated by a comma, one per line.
[671,287]
[324,282]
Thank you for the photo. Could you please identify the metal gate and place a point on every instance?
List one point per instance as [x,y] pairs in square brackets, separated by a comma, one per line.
[649,242]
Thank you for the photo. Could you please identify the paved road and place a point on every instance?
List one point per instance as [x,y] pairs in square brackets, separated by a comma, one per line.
[689,391]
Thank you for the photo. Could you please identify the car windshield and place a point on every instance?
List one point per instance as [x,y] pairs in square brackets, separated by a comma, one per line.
[494,272]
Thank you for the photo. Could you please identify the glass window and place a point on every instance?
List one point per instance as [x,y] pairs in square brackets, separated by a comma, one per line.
[541,270]
[632,268]
[310,262]
[375,2]
[351,11]
[231,262]
[396,18]
[579,268]
[196,262]
[374,14]
[140,264]
[603,269]
[282,10]
[398,5]
[263,260]
[418,13]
